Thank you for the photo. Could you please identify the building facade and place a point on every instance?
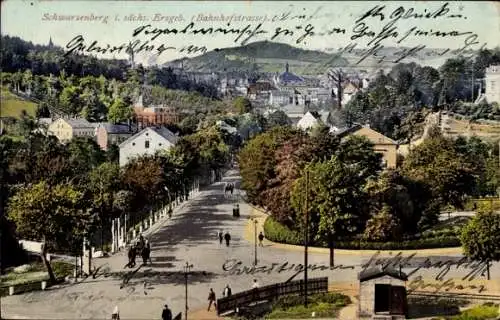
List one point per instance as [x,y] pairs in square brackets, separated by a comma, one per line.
[146,142]
[381,144]
[492,84]
[108,134]
[67,129]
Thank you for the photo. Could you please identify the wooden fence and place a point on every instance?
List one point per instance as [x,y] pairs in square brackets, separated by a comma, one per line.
[270,292]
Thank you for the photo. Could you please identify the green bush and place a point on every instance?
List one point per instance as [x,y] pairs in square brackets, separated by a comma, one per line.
[277,232]
[483,312]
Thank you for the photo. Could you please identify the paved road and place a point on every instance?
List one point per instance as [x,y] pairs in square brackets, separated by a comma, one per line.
[190,236]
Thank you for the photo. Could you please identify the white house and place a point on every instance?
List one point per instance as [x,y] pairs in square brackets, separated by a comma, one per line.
[146,142]
[492,81]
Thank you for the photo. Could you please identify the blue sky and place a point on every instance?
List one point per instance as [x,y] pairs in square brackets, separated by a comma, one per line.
[28,20]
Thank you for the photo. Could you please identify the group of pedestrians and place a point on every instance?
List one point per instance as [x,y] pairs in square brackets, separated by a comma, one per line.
[222,237]
[142,247]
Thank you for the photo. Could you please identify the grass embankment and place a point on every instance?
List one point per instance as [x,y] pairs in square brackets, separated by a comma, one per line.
[12,105]
[324,305]
[36,272]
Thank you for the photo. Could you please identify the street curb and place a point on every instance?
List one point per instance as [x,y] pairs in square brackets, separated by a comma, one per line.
[260,215]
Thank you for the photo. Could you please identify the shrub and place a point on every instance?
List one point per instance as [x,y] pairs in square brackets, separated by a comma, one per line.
[277,232]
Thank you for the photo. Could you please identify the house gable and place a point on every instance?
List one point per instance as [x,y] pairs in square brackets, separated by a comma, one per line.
[374,136]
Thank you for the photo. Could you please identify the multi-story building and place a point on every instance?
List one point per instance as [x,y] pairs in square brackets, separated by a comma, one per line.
[146,142]
[108,134]
[66,129]
[492,82]
[154,115]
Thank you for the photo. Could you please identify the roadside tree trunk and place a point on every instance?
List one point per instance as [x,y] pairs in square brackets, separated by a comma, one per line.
[46,262]
[330,245]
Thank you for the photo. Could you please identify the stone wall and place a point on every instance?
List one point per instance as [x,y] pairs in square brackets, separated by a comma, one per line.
[366,305]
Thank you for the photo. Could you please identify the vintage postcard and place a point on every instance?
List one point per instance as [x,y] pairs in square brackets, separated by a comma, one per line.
[250,160]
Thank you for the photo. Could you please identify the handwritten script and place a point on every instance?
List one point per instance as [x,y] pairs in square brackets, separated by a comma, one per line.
[370,32]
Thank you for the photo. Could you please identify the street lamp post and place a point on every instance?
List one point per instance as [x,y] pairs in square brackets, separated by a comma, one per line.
[306,238]
[255,242]
[187,268]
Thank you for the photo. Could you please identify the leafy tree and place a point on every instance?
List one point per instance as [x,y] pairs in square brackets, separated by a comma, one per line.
[257,162]
[437,164]
[242,105]
[481,238]
[383,226]
[119,111]
[103,186]
[390,196]
[335,197]
[358,150]
[56,215]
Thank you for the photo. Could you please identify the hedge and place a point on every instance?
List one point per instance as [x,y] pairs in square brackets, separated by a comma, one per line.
[280,233]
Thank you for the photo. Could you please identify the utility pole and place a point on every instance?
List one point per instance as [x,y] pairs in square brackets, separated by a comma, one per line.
[472,83]
[187,268]
[255,255]
[306,238]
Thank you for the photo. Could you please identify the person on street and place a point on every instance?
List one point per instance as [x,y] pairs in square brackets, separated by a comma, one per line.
[166,314]
[220,234]
[211,299]
[131,257]
[261,238]
[227,291]
[116,314]
[145,253]
[227,237]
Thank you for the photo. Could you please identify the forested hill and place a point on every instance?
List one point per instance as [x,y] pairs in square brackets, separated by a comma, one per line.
[263,56]
[17,54]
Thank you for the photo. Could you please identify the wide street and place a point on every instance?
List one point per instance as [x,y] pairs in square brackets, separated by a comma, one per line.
[190,236]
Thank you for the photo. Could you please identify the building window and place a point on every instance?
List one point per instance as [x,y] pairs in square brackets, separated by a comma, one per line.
[146,144]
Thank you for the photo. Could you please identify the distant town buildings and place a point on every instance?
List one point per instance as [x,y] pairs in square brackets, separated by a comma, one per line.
[492,84]
[67,129]
[146,142]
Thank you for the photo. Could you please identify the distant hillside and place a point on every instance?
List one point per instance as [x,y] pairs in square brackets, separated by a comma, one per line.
[264,56]
[267,56]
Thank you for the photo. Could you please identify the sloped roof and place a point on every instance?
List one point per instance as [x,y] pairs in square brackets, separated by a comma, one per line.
[80,123]
[377,272]
[162,131]
[119,128]
[289,77]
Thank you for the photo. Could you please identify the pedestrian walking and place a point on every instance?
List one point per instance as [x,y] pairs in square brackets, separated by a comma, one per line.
[166,313]
[227,291]
[131,257]
[227,237]
[145,253]
[211,299]
[261,238]
[116,314]
[220,234]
